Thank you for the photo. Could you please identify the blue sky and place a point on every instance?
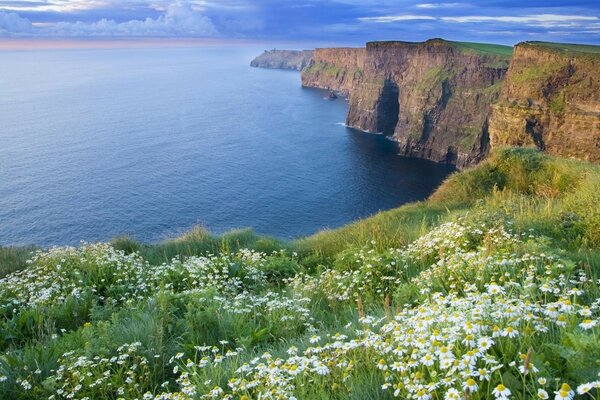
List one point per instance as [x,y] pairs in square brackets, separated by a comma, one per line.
[331,21]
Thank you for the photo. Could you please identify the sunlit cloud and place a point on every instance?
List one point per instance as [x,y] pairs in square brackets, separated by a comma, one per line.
[52,5]
[179,19]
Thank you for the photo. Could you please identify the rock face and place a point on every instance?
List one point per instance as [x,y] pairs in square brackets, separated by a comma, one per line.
[434,98]
[551,100]
[336,69]
[283,59]
[451,102]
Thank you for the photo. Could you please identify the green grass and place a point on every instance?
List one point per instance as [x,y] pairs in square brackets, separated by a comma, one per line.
[485,48]
[198,241]
[535,188]
[272,301]
[569,48]
[13,259]
[558,105]
[536,73]
[434,77]
[323,68]
[502,51]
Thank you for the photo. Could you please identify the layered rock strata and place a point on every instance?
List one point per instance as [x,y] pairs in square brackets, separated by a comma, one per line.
[551,100]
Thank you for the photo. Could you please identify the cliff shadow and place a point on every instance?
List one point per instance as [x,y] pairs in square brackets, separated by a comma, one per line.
[388,107]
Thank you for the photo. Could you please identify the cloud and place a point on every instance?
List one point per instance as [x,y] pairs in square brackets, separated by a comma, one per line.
[542,20]
[396,18]
[12,24]
[179,20]
[441,5]
[539,21]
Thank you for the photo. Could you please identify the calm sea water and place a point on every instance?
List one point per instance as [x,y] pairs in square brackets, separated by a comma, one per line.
[150,142]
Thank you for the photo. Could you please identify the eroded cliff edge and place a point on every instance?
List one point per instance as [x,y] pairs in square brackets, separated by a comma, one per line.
[434,98]
[283,59]
[551,100]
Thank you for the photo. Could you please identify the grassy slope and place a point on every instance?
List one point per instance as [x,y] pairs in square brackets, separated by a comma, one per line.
[570,48]
[521,187]
[485,48]
[538,191]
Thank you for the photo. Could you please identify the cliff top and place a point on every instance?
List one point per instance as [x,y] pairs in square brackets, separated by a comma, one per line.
[566,48]
[468,47]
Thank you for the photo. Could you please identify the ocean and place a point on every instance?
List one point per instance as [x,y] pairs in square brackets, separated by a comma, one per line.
[149,142]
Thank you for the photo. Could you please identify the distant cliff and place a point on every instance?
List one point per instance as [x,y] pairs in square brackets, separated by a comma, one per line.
[283,59]
[434,97]
[551,100]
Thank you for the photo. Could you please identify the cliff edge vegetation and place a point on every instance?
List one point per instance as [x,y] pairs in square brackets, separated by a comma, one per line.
[489,289]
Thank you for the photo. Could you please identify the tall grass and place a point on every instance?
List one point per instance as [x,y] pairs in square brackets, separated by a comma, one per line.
[14,259]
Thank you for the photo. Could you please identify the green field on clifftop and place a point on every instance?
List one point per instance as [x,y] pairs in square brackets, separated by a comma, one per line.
[485,48]
[490,286]
[569,48]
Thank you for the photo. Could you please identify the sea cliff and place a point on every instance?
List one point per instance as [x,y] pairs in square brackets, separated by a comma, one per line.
[283,59]
[551,100]
[452,102]
[434,98]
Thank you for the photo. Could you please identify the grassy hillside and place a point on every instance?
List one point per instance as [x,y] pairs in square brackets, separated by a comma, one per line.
[570,48]
[485,48]
[488,289]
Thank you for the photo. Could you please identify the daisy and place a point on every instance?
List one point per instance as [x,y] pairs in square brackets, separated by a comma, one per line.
[542,394]
[565,392]
[452,394]
[588,324]
[585,388]
[501,392]
[470,385]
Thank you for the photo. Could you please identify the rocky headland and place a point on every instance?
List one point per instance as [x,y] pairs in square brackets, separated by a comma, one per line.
[283,59]
[451,102]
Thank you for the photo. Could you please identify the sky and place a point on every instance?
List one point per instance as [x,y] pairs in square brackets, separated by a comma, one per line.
[352,22]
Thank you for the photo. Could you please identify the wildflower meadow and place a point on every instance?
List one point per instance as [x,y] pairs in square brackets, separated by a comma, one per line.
[480,303]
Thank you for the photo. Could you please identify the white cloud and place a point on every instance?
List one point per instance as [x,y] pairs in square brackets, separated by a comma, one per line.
[180,19]
[556,21]
[12,24]
[542,20]
[395,18]
[440,5]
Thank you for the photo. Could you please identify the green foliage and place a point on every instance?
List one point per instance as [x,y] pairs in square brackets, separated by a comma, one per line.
[513,243]
[276,269]
[558,105]
[536,73]
[433,78]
